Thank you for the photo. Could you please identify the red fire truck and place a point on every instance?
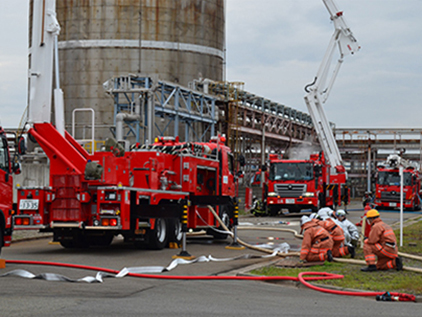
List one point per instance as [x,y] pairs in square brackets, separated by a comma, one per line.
[146,194]
[7,167]
[302,184]
[387,192]
[149,195]
[321,180]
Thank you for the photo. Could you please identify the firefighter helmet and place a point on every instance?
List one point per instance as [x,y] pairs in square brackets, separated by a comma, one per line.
[304,220]
[340,213]
[372,213]
[323,213]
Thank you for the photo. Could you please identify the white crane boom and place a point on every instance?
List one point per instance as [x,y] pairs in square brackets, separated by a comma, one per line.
[319,90]
[42,52]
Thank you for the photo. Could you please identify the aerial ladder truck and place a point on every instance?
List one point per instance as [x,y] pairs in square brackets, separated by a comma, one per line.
[151,195]
[321,180]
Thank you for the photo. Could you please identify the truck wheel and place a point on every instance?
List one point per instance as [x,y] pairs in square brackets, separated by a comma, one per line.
[157,238]
[67,244]
[225,217]
[77,241]
[174,231]
[1,239]
[101,241]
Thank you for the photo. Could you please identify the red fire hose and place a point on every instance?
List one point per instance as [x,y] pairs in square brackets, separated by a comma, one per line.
[315,276]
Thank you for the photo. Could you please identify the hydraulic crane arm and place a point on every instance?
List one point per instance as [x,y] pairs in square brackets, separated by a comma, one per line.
[65,154]
[42,52]
[319,90]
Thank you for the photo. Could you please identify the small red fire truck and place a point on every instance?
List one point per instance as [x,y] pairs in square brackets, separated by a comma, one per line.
[302,184]
[387,185]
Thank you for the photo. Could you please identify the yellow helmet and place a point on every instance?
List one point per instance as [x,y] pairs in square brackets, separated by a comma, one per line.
[372,213]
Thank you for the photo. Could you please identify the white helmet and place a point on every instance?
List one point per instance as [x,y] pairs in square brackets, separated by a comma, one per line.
[304,220]
[341,213]
[313,215]
[323,213]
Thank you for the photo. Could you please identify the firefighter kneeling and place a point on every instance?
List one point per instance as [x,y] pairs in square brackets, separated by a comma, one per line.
[316,244]
[380,244]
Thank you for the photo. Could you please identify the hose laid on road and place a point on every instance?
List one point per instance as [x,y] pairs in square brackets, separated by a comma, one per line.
[398,296]
[294,232]
[172,277]
[104,272]
[250,246]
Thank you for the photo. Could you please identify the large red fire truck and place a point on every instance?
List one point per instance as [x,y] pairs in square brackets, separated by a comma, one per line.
[319,181]
[7,167]
[387,185]
[149,195]
[302,184]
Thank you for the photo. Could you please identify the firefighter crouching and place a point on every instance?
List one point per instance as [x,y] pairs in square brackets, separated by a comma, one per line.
[336,232]
[380,244]
[316,244]
[351,233]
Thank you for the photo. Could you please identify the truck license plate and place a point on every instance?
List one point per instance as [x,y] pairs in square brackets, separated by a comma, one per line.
[290,201]
[392,204]
[28,204]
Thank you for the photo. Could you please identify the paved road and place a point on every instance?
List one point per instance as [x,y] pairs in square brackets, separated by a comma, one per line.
[152,297]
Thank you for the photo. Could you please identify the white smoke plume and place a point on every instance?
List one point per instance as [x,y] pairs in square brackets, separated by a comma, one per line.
[303,151]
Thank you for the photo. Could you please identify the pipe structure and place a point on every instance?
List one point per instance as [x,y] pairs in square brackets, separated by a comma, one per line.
[122,117]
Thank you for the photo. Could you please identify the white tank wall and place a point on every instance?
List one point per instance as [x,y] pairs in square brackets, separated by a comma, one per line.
[180,41]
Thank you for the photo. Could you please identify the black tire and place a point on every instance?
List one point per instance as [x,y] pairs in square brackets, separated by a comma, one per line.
[101,241]
[157,237]
[76,241]
[225,217]
[272,212]
[1,239]
[174,233]
[67,244]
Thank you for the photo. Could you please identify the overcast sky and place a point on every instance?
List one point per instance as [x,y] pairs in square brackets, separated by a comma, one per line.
[275,47]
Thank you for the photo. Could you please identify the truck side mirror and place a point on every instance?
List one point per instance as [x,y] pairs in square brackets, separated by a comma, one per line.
[318,171]
[16,168]
[21,145]
[241,160]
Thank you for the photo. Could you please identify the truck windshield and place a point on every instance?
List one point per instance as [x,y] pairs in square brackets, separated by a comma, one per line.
[392,178]
[291,171]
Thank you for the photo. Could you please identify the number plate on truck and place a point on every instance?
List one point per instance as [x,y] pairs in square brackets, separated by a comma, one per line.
[28,204]
[392,204]
[290,201]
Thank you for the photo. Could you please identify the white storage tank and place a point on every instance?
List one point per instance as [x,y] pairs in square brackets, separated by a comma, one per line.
[180,40]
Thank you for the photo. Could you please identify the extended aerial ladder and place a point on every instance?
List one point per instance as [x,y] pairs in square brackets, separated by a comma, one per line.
[319,90]
[65,153]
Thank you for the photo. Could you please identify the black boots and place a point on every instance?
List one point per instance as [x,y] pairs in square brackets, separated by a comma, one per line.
[399,264]
[369,268]
[351,251]
[329,256]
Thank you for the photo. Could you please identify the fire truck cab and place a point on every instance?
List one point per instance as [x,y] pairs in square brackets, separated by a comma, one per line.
[7,168]
[299,184]
[387,185]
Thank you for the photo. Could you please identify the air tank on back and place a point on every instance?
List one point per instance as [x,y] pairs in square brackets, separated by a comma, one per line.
[180,40]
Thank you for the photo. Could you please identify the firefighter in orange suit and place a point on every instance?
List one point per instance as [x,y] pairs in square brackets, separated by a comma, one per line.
[380,244]
[316,244]
[339,248]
